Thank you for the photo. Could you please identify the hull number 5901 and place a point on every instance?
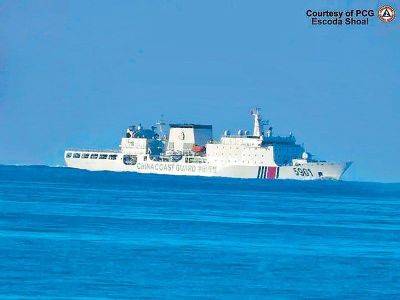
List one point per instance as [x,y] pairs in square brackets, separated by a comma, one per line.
[302,172]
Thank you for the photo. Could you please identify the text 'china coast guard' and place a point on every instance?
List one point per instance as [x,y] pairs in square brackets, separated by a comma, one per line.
[189,149]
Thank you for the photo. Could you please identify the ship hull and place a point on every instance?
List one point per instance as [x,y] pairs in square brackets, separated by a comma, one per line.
[307,171]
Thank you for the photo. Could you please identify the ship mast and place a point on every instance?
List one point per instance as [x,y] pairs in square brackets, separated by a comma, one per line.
[258,129]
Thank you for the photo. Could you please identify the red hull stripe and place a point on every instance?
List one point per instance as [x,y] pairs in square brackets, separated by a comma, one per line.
[271,173]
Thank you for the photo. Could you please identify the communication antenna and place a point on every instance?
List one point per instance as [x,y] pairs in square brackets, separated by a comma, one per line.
[160,125]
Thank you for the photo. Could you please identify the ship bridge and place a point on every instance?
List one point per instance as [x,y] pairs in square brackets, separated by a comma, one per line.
[258,148]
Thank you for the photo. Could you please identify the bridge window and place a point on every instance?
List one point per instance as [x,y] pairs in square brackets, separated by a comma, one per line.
[103,156]
[112,156]
[68,155]
[77,155]
[85,155]
[94,156]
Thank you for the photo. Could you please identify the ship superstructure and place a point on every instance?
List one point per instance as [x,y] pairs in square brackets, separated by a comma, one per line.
[189,149]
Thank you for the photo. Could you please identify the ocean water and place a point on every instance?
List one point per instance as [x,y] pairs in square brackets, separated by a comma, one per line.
[71,234]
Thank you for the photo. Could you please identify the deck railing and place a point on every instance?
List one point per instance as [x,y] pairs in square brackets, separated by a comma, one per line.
[93,150]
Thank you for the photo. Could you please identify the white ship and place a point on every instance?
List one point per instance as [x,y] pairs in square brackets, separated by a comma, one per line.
[189,149]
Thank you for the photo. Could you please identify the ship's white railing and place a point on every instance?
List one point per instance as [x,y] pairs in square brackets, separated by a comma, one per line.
[93,150]
[250,136]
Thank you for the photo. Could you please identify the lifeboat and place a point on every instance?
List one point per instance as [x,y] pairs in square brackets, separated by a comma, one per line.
[198,149]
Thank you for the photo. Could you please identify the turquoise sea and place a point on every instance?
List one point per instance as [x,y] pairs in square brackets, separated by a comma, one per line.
[71,234]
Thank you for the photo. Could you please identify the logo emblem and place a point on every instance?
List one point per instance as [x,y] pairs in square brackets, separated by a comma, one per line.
[386,13]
